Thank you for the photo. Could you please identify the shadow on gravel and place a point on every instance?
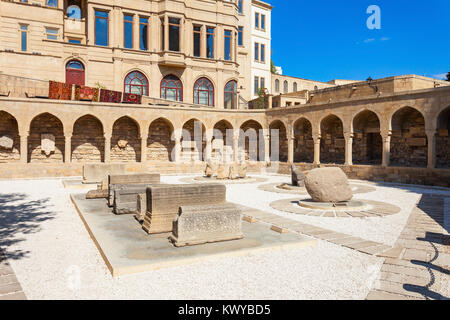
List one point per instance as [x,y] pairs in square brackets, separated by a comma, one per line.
[17,216]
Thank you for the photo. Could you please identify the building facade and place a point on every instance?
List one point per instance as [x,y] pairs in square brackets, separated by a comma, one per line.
[176,50]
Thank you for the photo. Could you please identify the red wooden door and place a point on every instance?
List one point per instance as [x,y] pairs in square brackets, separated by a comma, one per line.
[75,73]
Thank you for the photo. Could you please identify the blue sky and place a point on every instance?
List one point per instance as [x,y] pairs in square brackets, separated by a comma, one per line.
[329,39]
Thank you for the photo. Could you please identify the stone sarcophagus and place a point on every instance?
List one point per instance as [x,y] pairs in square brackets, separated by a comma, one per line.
[206,223]
[126,198]
[164,201]
[95,173]
[122,181]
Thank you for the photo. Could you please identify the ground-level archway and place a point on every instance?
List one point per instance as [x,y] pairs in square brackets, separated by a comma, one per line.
[125,141]
[443,139]
[367,142]
[251,141]
[88,142]
[222,142]
[332,142]
[193,142]
[159,143]
[409,146]
[46,142]
[9,138]
[303,141]
[278,150]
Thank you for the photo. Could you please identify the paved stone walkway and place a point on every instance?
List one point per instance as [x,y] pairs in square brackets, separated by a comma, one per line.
[285,224]
[422,270]
[10,288]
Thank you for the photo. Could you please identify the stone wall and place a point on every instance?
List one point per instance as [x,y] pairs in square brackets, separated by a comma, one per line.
[443,149]
[45,124]
[88,142]
[159,143]
[9,130]
[125,142]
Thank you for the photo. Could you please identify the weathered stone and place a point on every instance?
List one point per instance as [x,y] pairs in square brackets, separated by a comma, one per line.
[328,185]
[210,169]
[242,171]
[95,173]
[141,206]
[126,198]
[297,177]
[233,173]
[206,223]
[223,172]
[97,194]
[163,202]
[6,142]
[130,180]
[47,143]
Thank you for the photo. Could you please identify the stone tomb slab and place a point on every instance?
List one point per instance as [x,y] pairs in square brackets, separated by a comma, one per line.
[126,248]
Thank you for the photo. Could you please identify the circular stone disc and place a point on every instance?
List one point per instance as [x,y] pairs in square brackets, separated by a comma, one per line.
[350,205]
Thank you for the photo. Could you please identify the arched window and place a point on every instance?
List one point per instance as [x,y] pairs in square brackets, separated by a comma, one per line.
[230,95]
[136,83]
[171,88]
[286,86]
[277,85]
[75,72]
[204,92]
[73,12]
[295,86]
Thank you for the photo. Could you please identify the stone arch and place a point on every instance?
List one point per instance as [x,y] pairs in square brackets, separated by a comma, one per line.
[251,142]
[409,145]
[159,143]
[9,138]
[222,141]
[282,141]
[88,142]
[367,142]
[193,146]
[125,141]
[332,142]
[49,129]
[303,141]
[443,139]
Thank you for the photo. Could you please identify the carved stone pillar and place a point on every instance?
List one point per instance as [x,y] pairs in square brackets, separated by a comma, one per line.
[24,148]
[107,147]
[348,149]
[431,137]
[316,139]
[144,138]
[68,147]
[386,149]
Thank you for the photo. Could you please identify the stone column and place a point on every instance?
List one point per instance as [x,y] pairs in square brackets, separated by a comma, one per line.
[144,138]
[203,42]
[236,146]
[291,149]
[316,139]
[68,147]
[431,137]
[24,148]
[177,148]
[266,146]
[166,33]
[208,148]
[348,148]
[386,149]
[107,147]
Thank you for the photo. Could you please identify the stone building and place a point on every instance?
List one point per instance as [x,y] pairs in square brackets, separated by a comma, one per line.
[176,53]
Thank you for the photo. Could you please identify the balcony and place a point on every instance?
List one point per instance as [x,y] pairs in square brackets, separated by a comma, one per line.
[172,59]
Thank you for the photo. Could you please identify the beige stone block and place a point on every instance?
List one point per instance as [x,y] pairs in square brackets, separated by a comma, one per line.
[279,230]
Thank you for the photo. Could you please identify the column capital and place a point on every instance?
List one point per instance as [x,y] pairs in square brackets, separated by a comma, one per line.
[68,134]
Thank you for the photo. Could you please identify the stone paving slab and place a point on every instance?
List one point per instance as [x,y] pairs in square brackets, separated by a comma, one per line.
[383,295]
[416,267]
[126,248]
[10,288]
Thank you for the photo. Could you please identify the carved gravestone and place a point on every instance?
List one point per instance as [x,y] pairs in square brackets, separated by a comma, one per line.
[223,172]
[6,141]
[210,169]
[47,143]
[242,171]
[206,224]
[298,178]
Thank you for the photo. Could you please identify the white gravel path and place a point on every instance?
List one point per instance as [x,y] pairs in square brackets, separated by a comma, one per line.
[56,259]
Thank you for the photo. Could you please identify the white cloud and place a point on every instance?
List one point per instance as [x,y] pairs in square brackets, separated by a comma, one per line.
[441,76]
[385,39]
[369,40]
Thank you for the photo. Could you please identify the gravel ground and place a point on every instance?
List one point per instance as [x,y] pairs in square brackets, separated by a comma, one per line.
[54,257]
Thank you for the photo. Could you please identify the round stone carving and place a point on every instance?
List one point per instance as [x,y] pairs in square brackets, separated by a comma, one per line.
[328,185]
